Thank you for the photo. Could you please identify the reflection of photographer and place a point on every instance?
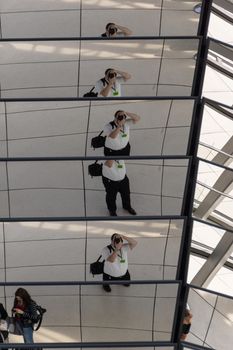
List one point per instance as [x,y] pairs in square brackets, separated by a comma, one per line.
[115,180]
[116,260]
[117,132]
[110,85]
[115,30]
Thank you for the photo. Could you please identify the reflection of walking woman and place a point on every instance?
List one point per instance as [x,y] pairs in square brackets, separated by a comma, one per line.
[25,314]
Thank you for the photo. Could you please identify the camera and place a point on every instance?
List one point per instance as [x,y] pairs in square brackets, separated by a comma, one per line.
[121,117]
[112,30]
[112,75]
[118,240]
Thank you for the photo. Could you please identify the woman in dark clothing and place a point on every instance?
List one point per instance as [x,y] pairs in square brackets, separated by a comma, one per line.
[25,313]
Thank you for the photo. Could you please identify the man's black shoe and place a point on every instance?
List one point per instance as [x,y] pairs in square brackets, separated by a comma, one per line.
[112,213]
[131,211]
[107,288]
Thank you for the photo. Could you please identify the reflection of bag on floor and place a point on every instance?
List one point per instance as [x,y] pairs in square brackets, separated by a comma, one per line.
[95,169]
[91,93]
[97,267]
[98,141]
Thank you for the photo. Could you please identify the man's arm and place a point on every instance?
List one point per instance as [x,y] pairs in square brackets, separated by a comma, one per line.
[132,242]
[134,117]
[126,31]
[109,163]
[125,75]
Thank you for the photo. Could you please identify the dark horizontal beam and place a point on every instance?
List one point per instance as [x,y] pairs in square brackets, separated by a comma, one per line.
[67,345]
[84,283]
[96,38]
[92,218]
[87,158]
[100,99]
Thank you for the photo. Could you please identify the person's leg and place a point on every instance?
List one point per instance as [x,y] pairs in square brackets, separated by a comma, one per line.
[106,287]
[28,335]
[111,193]
[126,277]
[125,193]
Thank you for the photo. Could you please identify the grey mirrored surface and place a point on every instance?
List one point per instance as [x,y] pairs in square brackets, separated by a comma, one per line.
[56,129]
[64,188]
[76,313]
[88,18]
[210,312]
[75,245]
[71,68]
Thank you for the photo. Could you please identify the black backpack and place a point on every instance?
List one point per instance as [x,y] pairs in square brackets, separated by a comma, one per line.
[40,312]
[94,94]
[91,93]
[95,169]
[97,267]
[99,141]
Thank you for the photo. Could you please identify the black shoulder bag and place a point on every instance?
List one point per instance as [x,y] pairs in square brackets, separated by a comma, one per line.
[97,267]
[95,169]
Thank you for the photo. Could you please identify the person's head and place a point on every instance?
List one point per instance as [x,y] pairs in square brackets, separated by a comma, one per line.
[111,29]
[120,116]
[116,240]
[22,297]
[110,73]
[187,314]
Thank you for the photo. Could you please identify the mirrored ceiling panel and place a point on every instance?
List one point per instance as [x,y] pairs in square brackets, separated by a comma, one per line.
[214,193]
[210,312]
[216,143]
[135,313]
[71,68]
[41,19]
[83,243]
[53,129]
[65,189]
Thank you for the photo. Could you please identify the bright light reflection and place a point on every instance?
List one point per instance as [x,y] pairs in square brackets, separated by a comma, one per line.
[23,46]
[69,51]
[45,48]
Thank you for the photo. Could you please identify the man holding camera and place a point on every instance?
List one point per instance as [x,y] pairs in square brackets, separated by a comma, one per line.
[117,133]
[115,30]
[116,260]
[115,180]
[110,85]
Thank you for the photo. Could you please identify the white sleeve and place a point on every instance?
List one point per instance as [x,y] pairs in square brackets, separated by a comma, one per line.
[105,253]
[108,129]
[99,86]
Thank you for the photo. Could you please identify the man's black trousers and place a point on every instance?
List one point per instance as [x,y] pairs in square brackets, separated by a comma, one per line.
[112,188]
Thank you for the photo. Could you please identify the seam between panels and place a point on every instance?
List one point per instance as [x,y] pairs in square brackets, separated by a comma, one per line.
[4,257]
[211,318]
[153,313]
[165,248]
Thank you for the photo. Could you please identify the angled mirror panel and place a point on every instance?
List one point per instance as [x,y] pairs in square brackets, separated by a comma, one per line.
[75,245]
[53,129]
[212,319]
[126,324]
[213,191]
[86,318]
[218,86]
[220,28]
[30,68]
[64,188]
[216,142]
[73,18]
